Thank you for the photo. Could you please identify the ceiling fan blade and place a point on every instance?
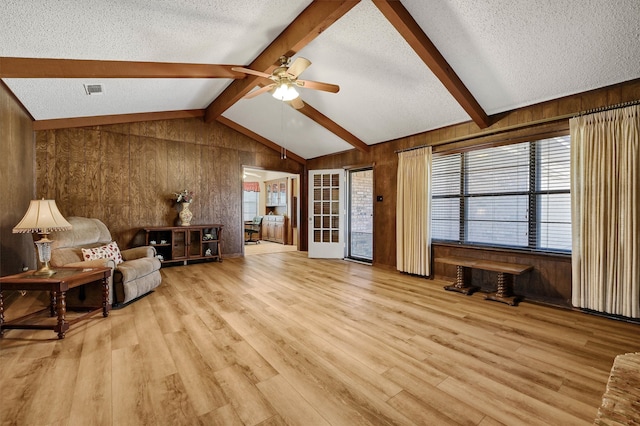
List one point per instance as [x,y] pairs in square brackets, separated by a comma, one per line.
[250,71]
[296,103]
[297,67]
[317,85]
[260,91]
[264,81]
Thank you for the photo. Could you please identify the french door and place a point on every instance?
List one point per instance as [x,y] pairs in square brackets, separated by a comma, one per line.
[326,214]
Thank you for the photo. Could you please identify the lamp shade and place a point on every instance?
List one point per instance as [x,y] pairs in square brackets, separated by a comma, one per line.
[42,217]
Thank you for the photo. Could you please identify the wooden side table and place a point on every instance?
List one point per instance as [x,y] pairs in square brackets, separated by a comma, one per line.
[57,285]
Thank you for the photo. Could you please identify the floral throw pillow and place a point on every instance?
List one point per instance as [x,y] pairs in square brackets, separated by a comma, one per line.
[110,251]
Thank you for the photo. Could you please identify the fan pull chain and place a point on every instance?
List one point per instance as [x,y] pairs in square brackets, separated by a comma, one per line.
[283,152]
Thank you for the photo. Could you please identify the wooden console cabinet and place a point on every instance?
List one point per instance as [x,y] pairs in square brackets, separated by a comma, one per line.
[185,243]
[274,228]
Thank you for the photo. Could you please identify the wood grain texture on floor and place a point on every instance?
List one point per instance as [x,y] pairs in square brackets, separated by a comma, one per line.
[282,339]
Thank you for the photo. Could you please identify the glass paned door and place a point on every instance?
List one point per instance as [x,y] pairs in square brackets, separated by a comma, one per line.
[360,214]
[326,232]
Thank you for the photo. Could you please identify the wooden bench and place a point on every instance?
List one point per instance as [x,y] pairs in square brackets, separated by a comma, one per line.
[505,283]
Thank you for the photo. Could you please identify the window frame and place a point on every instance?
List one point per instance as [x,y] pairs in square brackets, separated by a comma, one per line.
[535,237]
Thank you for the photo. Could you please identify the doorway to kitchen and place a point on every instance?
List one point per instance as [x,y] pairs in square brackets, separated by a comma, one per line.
[269,198]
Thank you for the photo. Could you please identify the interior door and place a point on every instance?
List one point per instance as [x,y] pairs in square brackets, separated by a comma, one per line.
[326,214]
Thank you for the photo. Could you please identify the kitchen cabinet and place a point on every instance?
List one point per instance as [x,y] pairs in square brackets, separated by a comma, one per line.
[276,192]
[273,228]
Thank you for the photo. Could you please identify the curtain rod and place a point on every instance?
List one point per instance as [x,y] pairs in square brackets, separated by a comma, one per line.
[523,125]
[610,107]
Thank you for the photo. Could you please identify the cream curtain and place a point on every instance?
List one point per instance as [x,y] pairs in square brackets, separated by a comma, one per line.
[413,212]
[605,180]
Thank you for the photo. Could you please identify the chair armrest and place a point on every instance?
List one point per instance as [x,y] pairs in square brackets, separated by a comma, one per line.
[138,252]
[96,263]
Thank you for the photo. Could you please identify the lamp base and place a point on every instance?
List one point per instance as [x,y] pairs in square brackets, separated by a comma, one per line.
[44,254]
[45,271]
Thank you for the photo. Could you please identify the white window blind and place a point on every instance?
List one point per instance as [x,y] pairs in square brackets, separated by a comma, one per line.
[553,199]
[446,202]
[508,196]
[250,201]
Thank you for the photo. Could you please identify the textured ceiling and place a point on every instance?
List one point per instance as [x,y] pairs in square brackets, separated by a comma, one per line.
[508,54]
[62,98]
[516,53]
[200,31]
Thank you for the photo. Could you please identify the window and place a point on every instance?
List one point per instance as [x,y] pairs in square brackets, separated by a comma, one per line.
[508,196]
[250,204]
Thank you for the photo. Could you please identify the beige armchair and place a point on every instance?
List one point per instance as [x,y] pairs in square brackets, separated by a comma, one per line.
[137,275]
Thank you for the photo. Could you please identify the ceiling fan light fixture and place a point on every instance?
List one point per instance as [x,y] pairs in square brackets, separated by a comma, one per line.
[285,92]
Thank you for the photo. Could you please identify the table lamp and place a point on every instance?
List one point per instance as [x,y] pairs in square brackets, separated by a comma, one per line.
[42,217]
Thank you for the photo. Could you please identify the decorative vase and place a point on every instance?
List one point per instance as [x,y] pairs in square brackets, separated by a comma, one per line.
[185,214]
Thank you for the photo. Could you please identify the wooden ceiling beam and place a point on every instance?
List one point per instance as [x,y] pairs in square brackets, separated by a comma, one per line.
[264,141]
[80,68]
[316,18]
[333,127]
[404,23]
[104,120]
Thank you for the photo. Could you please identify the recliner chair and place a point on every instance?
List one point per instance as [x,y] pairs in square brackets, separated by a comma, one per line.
[137,275]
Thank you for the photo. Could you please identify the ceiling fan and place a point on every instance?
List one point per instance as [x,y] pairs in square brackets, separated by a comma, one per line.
[284,79]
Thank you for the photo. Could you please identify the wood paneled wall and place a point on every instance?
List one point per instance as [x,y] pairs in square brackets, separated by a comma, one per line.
[126,175]
[17,183]
[548,282]
[537,121]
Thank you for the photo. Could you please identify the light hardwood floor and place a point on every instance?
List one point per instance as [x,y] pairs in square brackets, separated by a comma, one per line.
[281,339]
[267,247]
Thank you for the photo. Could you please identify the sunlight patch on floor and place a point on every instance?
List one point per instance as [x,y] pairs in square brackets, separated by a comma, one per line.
[267,247]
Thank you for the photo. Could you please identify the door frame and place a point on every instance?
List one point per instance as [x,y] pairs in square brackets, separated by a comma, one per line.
[290,209]
[348,223]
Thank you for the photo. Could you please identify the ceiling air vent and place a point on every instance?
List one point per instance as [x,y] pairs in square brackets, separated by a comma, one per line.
[94,89]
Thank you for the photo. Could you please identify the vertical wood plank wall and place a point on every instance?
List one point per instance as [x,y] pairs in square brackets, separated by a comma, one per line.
[17,183]
[552,279]
[126,175]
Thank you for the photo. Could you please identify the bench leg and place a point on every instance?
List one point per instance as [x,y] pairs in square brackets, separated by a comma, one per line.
[504,292]
[460,286]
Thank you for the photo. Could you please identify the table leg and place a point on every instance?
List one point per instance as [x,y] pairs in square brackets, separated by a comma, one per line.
[106,306]
[52,303]
[61,308]
[503,293]
[460,286]
[1,313]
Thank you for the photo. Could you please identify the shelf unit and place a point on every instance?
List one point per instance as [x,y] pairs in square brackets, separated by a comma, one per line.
[185,243]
